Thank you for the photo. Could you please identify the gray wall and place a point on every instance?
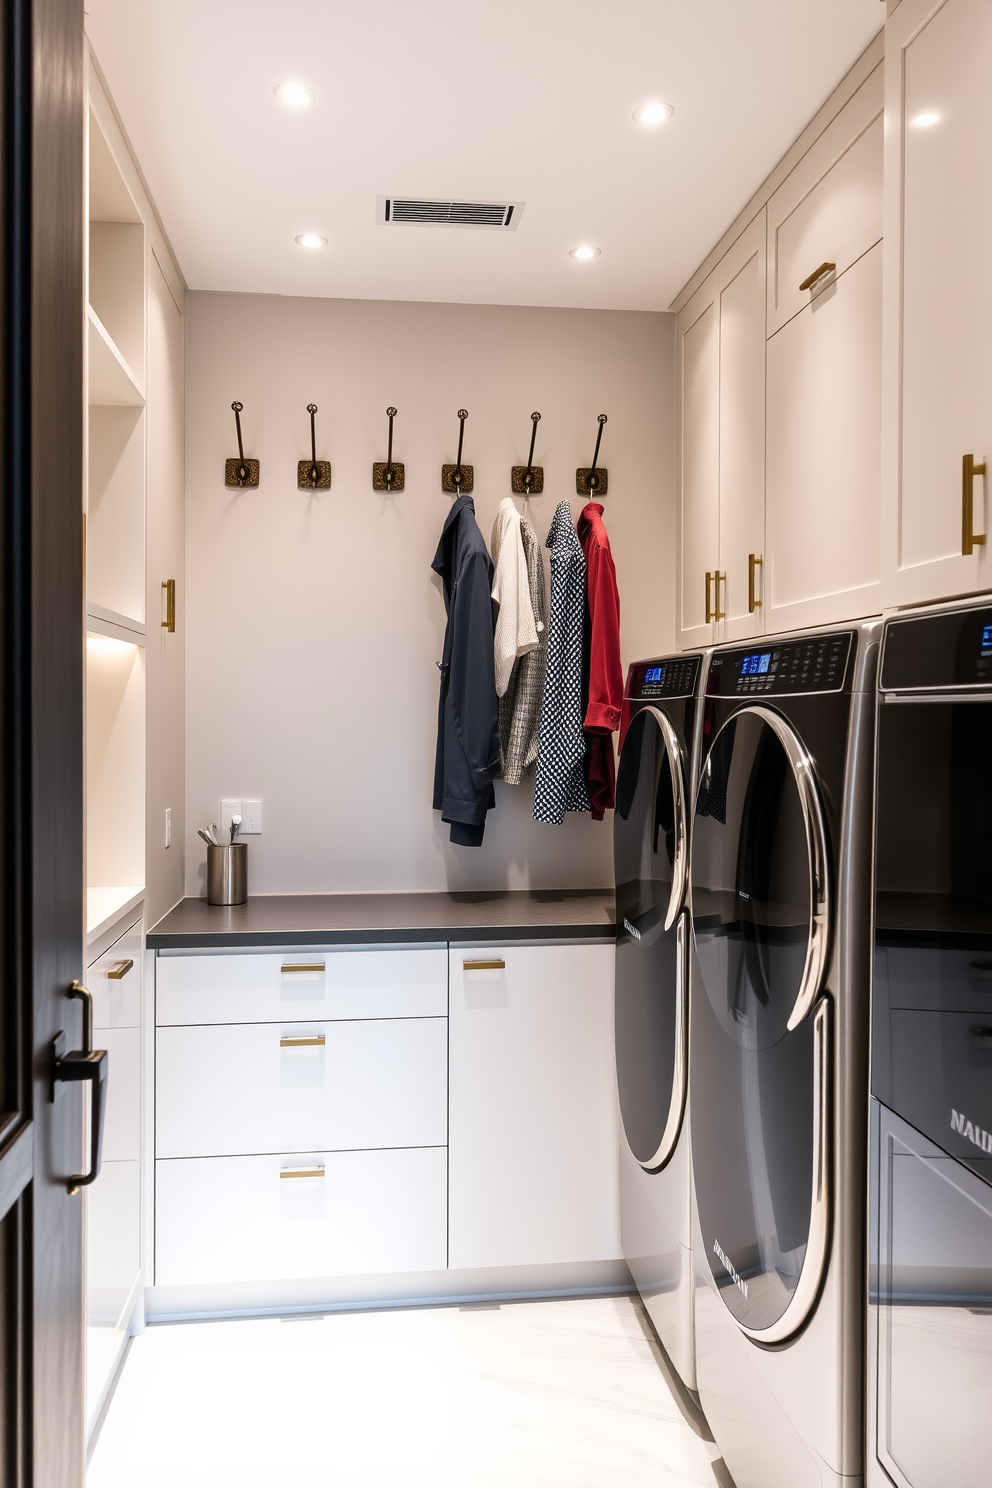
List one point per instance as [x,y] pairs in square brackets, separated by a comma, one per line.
[314,623]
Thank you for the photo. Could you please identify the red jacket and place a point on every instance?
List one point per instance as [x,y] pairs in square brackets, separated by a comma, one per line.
[604,691]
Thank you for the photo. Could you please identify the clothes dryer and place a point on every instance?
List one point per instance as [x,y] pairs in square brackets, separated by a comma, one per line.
[930,1292]
[651,840]
[780,903]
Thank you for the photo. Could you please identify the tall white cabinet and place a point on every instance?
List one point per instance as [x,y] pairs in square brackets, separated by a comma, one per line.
[132,514]
[938,301]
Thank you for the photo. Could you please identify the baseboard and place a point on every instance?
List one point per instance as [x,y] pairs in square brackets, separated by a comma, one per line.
[175,1304]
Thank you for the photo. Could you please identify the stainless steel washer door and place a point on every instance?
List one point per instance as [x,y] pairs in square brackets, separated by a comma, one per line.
[760,1033]
[651,863]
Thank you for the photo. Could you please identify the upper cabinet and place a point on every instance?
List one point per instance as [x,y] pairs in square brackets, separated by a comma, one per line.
[780,351]
[721,350]
[938,301]
[824,379]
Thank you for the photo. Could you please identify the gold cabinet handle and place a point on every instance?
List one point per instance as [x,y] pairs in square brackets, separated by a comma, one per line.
[825,268]
[709,609]
[306,1041]
[969,538]
[317,1172]
[718,579]
[169,623]
[299,966]
[483,965]
[119,971]
[754,561]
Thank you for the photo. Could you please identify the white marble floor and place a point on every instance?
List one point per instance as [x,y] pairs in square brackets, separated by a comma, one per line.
[533,1393]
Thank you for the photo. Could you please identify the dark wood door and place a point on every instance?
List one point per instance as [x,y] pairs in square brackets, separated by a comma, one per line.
[41,738]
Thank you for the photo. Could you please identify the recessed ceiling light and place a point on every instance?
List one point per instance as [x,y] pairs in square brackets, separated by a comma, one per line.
[923,121]
[311,240]
[653,113]
[584,252]
[294,95]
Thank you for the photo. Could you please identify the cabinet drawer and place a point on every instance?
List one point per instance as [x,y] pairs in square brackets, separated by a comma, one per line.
[237,1219]
[301,985]
[241,1088]
[829,208]
[116,985]
[122,1132]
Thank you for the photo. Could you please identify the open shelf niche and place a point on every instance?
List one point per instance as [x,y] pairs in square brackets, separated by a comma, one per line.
[115,777]
[115,505]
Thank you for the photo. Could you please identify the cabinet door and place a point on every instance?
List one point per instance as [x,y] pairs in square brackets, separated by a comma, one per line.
[938,297]
[298,1087]
[828,210]
[115,982]
[824,455]
[243,1219]
[699,459]
[742,433]
[533,1129]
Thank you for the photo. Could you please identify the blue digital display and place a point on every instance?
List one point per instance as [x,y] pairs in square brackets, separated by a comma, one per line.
[756,665]
[655,674]
[987,640]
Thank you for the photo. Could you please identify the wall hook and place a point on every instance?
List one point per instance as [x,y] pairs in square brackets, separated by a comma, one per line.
[313,474]
[458,478]
[528,480]
[593,481]
[389,477]
[240,472]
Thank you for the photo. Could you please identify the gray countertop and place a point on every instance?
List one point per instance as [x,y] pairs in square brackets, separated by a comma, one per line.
[357,919]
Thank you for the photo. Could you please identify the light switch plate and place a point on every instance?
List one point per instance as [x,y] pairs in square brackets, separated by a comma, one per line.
[168,826]
[227,810]
[251,818]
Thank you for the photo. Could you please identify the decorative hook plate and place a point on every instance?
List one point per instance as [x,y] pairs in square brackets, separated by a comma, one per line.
[305,475]
[379,482]
[240,472]
[519,485]
[582,487]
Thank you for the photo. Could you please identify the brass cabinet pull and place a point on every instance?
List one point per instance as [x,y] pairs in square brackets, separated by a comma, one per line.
[169,623]
[317,1172]
[300,966]
[483,965]
[718,579]
[825,268]
[969,538]
[307,1041]
[119,971]
[754,561]
[709,609]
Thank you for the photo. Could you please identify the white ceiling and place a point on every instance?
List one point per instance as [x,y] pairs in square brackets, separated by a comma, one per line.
[522,100]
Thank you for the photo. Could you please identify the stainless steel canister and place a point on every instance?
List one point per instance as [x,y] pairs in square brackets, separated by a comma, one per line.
[227,874]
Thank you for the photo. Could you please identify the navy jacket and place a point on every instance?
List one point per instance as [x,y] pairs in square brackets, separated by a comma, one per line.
[467,718]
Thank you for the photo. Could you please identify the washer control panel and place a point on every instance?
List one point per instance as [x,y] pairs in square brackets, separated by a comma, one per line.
[673,676]
[818,664]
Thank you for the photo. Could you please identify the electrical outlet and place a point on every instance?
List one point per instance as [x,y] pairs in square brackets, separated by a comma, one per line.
[251,818]
[168,826]
[227,810]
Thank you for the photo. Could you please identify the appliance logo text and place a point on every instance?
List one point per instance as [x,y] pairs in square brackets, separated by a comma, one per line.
[730,1268]
[970,1132]
[632,928]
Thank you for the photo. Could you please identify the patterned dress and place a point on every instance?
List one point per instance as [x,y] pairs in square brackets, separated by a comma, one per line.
[560,785]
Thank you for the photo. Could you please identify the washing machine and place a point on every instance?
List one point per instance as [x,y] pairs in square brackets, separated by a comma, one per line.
[658,756]
[930,1278]
[780,894]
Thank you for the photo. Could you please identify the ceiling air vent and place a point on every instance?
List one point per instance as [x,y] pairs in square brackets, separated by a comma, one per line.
[396,211]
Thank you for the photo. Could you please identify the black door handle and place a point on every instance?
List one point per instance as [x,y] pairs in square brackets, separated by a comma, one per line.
[87,1064]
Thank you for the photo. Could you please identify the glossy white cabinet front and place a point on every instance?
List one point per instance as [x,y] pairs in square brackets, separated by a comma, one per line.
[245,1219]
[300,986]
[286,1087]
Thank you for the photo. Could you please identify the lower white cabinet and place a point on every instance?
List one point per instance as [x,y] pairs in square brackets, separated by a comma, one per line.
[287,1087]
[533,1130]
[113,1202]
[245,1219]
[341,1113]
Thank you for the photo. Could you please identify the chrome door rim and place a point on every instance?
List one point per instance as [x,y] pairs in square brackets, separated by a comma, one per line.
[680,865]
[680,1072]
